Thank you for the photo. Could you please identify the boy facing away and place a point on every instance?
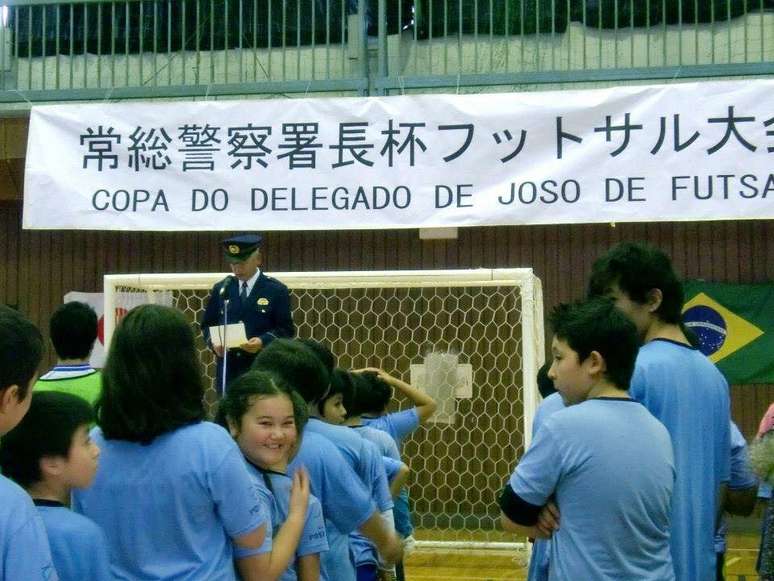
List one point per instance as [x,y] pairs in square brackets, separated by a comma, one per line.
[73,330]
[50,453]
[604,462]
[24,550]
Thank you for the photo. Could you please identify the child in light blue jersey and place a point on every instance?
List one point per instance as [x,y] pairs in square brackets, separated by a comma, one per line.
[341,466]
[24,550]
[339,407]
[172,492]
[374,402]
[50,453]
[552,402]
[342,407]
[267,420]
[681,387]
[604,459]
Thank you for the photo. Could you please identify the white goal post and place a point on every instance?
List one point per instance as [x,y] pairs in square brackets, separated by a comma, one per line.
[486,325]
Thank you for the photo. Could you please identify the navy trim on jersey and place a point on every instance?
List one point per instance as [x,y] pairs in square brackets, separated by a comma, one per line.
[608,398]
[678,343]
[47,502]
[517,509]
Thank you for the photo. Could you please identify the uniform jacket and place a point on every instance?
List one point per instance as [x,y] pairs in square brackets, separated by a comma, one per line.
[266,313]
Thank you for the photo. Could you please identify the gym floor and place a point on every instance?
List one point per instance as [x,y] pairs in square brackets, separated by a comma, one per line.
[461,565]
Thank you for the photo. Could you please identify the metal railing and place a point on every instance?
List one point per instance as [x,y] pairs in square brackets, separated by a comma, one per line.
[100,49]
[479,43]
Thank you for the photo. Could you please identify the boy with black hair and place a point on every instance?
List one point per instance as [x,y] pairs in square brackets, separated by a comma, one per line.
[73,330]
[544,384]
[24,549]
[681,388]
[398,425]
[50,453]
[342,469]
[324,354]
[341,407]
[354,391]
[606,460]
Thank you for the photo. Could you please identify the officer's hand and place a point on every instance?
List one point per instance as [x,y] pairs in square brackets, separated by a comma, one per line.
[218,349]
[253,345]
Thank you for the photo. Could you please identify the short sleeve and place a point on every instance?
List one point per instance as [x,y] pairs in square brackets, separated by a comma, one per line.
[344,498]
[313,538]
[742,476]
[234,492]
[403,423]
[26,553]
[537,474]
[377,476]
[391,467]
[391,448]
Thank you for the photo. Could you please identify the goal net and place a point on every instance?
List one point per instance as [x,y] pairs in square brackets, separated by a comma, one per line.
[473,339]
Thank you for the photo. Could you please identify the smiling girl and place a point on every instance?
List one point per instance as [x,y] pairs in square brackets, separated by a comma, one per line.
[266,420]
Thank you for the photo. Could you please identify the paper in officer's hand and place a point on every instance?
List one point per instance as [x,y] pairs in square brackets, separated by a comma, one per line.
[233,333]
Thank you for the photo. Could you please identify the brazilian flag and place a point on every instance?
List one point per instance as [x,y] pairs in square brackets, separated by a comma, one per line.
[734,324]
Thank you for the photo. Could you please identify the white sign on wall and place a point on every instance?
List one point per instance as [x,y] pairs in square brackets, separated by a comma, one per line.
[699,151]
[126,301]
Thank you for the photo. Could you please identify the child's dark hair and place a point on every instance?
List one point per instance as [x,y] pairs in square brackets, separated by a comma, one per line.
[342,382]
[544,383]
[638,268]
[297,365]
[73,329]
[372,394]
[21,348]
[245,389]
[152,382]
[324,354]
[46,430]
[596,325]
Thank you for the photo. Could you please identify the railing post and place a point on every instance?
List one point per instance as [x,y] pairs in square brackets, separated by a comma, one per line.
[382,51]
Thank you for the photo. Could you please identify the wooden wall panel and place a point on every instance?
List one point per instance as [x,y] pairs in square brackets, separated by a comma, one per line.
[38,268]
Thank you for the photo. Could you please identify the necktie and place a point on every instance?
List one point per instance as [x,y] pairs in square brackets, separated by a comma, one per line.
[243,292]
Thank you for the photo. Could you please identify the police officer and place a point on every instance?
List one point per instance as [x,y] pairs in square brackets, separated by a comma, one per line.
[261,302]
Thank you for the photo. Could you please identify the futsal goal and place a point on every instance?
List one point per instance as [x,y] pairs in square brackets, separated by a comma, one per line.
[471,338]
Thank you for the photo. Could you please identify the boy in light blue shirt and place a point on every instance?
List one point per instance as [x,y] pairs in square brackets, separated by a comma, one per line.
[680,387]
[340,408]
[604,459]
[399,425]
[552,402]
[50,453]
[24,549]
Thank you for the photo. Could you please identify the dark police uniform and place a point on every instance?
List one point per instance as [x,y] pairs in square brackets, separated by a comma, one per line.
[265,313]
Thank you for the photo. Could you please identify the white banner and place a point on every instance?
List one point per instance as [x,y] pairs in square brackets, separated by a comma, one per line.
[702,151]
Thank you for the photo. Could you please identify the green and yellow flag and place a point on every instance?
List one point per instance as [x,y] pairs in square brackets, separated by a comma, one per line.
[734,324]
